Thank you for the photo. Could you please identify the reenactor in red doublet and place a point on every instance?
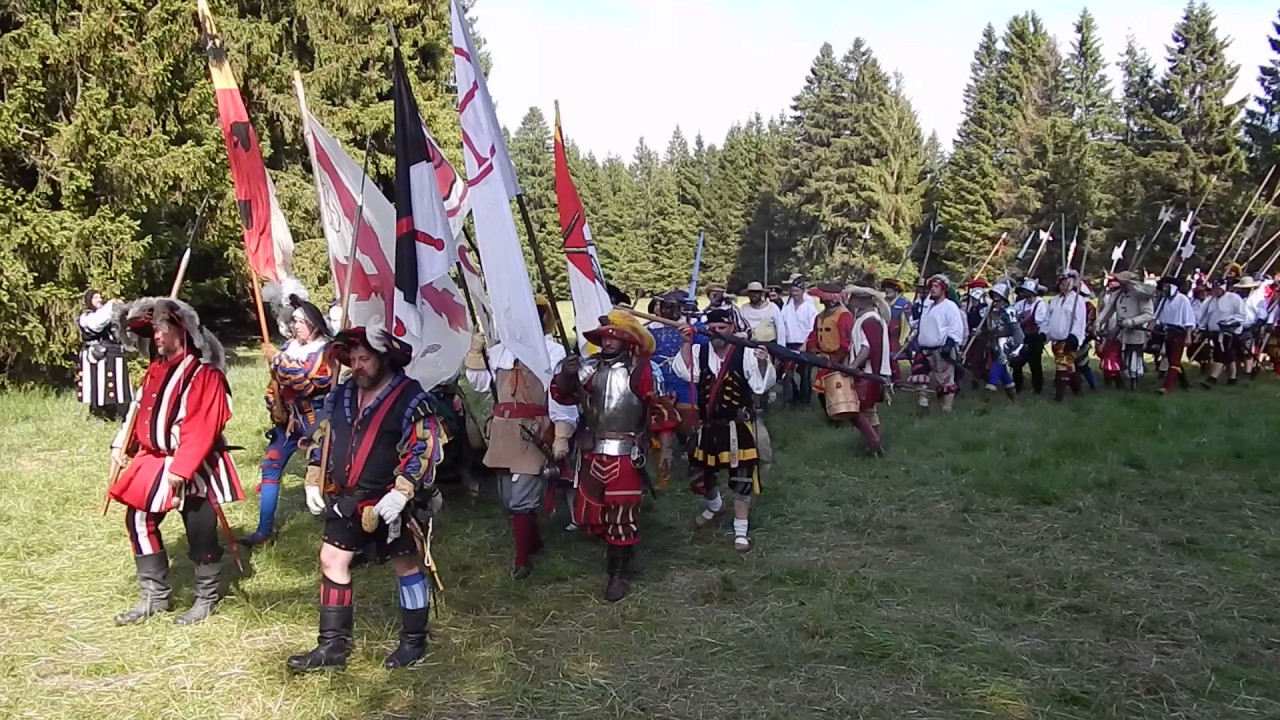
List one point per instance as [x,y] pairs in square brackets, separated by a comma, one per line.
[176,455]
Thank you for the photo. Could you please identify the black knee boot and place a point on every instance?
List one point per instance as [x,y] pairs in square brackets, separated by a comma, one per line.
[619,563]
[153,586]
[334,643]
[206,603]
[413,639]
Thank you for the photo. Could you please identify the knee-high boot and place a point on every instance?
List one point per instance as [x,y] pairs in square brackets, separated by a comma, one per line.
[153,586]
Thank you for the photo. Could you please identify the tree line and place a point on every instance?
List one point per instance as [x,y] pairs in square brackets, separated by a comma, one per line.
[109,143]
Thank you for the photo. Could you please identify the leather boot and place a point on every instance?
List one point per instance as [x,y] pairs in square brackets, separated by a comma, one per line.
[413,640]
[153,587]
[206,602]
[619,560]
[333,644]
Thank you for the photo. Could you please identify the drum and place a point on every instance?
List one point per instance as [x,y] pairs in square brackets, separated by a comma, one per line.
[842,400]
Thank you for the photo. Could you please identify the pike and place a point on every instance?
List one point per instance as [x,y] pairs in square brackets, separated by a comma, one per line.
[999,244]
[1026,246]
[1084,254]
[697,268]
[1166,214]
[1240,222]
[1071,253]
[1066,262]
[1045,235]
[907,256]
[773,348]
[1118,254]
[1188,231]
[1250,234]
[1188,249]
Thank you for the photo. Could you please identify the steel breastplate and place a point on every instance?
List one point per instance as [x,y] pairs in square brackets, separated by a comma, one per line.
[614,414]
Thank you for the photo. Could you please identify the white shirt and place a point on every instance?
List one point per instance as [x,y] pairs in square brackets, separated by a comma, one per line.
[797,321]
[500,358]
[1035,308]
[1229,307]
[1176,311]
[759,381]
[861,341]
[95,320]
[1067,315]
[755,316]
[941,321]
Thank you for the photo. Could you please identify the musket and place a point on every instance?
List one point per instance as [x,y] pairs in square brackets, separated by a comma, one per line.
[131,418]
[773,348]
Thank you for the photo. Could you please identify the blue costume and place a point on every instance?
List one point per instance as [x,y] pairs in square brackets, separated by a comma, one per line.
[668,342]
[300,380]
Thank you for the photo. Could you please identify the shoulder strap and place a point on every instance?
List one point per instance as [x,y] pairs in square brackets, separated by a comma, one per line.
[356,465]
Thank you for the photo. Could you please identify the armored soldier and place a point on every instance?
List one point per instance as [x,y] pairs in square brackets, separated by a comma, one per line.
[1006,337]
[621,407]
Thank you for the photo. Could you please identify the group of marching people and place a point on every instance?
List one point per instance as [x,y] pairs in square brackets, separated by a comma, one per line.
[692,381]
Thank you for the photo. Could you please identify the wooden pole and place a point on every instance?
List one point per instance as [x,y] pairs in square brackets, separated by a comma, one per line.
[1240,222]
[542,272]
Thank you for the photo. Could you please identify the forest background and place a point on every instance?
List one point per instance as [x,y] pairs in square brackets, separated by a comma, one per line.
[109,143]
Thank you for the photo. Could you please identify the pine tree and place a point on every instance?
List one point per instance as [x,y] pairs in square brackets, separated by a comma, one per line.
[1086,135]
[966,207]
[892,183]
[1262,121]
[813,194]
[531,154]
[1198,128]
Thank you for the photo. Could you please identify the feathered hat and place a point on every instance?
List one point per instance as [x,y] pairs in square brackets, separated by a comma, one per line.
[374,336]
[278,296]
[863,293]
[623,326]
[135,321]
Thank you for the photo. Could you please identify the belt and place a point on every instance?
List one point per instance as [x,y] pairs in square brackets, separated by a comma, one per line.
[519,411]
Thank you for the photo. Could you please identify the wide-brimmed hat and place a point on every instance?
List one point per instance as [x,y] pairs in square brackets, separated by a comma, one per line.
[1246,283]
[893,283]
[374,337]
[622,325]
[827,291]
[716,287]
[754,286]
[1124,277]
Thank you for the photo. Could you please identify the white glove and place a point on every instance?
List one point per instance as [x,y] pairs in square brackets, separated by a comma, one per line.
[436,502]
[390,506]
[315,499]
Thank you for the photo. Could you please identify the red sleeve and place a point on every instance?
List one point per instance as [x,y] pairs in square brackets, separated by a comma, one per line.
[207,414]
[663,416]
[845,327]
[874,330]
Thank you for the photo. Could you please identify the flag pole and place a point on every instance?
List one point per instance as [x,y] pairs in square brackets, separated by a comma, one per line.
[542,273]
[1240,222]
[766,259]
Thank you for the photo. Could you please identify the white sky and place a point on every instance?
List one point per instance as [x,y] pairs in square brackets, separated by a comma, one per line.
[623,69]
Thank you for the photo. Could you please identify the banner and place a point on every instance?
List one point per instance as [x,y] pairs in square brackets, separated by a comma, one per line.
[425,246]
[445,327]
[491,182]
[453,190]
[586,279]
[267,240]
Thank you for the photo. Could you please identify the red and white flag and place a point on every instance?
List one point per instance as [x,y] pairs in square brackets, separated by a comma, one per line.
[268,243]
[445,325]
[491,182]
[586,278]
[453,189]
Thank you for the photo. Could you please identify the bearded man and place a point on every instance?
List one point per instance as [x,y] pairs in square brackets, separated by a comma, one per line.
[942,331]
[621,409]
[727,376]
[378,491]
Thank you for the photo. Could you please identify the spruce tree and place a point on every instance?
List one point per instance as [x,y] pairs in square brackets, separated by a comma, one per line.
[531,154]
[1198,129]
[966,207]
[1262,119]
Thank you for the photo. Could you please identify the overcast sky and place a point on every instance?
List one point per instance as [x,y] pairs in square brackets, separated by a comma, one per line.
[623,69]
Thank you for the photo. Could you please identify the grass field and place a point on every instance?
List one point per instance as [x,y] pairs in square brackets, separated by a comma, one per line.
[1116,557]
